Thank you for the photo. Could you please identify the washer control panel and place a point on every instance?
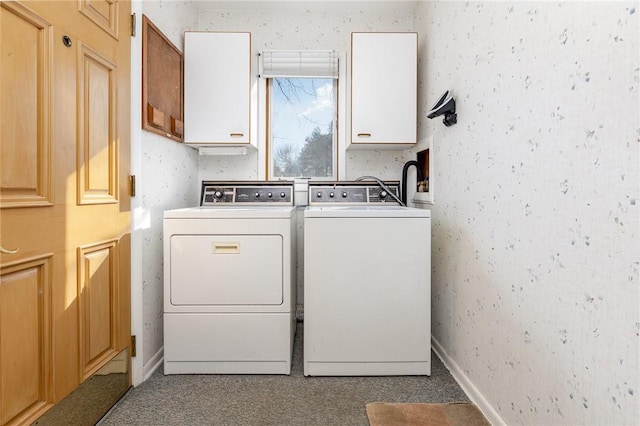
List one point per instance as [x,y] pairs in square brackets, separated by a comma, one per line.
[225,192]
[356,193]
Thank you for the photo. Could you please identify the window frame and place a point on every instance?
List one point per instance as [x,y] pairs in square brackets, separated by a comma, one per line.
[269,160]
[259,113]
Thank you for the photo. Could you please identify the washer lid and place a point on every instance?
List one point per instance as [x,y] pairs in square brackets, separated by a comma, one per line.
[365,211]
[232,212]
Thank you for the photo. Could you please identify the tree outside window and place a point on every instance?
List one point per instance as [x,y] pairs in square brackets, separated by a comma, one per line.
[302,117]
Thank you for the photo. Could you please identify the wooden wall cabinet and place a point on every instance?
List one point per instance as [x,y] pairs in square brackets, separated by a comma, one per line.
[217,88]
[384,90]
[162,110]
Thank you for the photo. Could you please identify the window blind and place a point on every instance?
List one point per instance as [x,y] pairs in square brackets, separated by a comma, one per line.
[298,63]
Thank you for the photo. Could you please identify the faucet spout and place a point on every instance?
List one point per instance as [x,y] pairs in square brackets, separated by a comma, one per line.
[405,171]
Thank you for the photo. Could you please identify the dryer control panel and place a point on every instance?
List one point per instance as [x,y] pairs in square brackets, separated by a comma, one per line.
[353,193]
[216,193]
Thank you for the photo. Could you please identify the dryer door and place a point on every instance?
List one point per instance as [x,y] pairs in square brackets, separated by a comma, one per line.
[219,270]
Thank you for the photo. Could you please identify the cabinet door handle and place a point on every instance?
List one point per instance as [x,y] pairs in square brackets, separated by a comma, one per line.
[236,135]
[364,135]
[5,251]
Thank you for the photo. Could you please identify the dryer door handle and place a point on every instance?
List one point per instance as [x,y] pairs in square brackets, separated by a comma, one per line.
[226,248]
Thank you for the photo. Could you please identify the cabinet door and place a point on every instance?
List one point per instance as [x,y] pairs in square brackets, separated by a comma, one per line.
[384,88]
[217,87]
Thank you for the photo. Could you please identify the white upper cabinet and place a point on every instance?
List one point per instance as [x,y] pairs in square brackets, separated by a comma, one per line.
[384,78]
[217,85]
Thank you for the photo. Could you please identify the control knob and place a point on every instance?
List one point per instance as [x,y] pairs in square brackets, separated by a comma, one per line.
[344,194]
[269,194]
[383,195]
[218,195]
[319,194]
[332,194]
[257,195]
[282,194]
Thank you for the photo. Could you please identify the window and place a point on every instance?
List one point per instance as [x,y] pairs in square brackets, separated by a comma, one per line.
[302,117]
[302,113]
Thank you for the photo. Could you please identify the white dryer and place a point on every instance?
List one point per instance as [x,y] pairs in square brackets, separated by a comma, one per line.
[367,285]
[229,289]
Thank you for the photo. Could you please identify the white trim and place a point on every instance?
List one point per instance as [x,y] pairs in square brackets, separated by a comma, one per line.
[425,199]
[154,363]
[223,150]
[467,386]
[342,117]
[137,218]
[261,107]
[261,124]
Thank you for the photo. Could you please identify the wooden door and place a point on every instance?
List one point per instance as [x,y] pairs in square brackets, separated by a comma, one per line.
[64,198]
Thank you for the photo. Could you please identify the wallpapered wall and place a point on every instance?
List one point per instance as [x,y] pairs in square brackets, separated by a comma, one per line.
[313,25]
[536,289]
[168,180]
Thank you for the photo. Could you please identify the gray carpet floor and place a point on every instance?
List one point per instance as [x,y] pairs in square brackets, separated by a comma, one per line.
[249,400]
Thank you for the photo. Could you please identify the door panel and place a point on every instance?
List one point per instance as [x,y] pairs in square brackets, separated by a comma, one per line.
[64,197]
[25,181]
[98,297]
[25,334]
[104,13]
[97,146]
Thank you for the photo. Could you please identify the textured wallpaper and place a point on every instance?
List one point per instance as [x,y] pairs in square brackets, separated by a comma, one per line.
[536,289]
[536,222]
[169,180]
[308,25]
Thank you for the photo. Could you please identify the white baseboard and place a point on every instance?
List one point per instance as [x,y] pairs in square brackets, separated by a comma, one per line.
[467,386]
[152,365]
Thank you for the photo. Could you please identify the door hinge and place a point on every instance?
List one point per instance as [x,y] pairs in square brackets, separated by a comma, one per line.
[133,346]
[132,185]
[133,25]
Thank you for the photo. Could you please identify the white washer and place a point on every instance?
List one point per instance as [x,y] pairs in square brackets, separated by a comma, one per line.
[367,285]
[229,290]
